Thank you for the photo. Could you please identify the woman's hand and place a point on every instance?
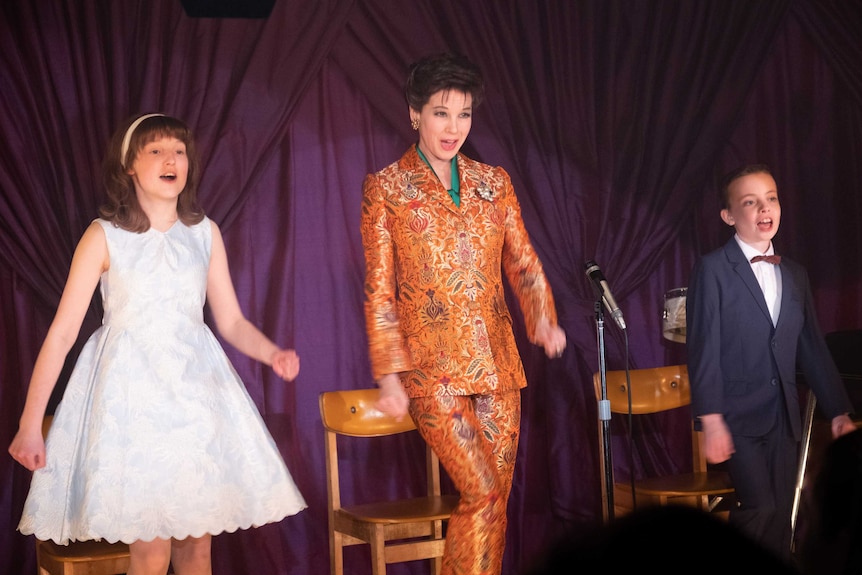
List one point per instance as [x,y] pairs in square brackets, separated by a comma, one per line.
[393,400]
[551,338]
[285,364]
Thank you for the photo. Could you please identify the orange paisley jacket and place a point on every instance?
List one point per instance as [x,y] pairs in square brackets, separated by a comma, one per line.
[435,308]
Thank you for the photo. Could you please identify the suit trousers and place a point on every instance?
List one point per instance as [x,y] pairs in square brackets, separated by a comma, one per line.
[763,470]
[476,439]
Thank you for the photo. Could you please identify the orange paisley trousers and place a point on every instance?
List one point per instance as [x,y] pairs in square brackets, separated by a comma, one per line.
[476,439]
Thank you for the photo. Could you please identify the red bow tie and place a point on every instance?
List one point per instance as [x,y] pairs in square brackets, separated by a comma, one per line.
[768,259]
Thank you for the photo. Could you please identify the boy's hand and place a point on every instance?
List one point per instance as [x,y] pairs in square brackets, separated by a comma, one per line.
[718,443]
[842,425]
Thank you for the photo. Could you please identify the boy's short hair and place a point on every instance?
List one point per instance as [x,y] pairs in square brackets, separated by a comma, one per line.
[735,174]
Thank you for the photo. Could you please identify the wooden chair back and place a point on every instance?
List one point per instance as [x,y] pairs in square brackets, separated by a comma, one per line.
[655,390]
[80,557]
[396,530]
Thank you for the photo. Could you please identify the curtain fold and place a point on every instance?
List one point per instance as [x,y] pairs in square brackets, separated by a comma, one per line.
[834,26]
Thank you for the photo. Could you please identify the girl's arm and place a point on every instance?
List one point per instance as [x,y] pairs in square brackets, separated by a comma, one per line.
[232,323]
[88,264]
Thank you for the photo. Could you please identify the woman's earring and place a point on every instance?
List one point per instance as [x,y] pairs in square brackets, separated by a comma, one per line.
[414,123]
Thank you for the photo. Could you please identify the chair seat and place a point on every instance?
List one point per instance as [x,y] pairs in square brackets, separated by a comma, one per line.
[687,484]
[82,558]
[84,551]
[404,511]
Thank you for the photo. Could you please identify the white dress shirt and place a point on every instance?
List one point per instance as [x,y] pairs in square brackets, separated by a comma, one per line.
[768,276]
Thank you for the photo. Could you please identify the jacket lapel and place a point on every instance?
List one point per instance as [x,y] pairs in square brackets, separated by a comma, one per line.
[411,162]
[742,268]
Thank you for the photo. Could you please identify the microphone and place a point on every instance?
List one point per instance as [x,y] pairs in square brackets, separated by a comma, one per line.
[594,273]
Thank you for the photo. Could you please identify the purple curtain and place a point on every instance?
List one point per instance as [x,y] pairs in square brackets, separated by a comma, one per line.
[613,118]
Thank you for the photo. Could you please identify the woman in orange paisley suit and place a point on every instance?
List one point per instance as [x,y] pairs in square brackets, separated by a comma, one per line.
[439,230]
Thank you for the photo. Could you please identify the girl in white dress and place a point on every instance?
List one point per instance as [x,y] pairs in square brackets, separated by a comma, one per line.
[156,441]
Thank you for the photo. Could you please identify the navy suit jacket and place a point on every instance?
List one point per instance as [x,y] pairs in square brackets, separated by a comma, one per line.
[742,366]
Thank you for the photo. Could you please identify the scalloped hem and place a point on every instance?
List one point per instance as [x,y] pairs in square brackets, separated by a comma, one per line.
[180,535]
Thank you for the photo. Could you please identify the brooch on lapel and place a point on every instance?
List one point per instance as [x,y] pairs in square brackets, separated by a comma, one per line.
[410,190]
[484,191]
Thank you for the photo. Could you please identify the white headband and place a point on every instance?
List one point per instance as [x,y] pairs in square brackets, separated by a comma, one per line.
[128,137]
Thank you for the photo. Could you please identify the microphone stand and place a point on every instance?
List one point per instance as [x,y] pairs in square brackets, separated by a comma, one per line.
[604,409]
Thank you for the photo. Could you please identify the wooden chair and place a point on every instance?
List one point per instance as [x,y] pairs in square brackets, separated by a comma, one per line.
[396,530]
[80,557]
[656,390]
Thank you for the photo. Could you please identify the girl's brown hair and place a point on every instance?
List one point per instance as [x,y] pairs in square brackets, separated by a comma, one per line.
[121,206]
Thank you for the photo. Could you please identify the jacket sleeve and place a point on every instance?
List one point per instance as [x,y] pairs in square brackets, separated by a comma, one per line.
[387,350]
[522,266]
[817,363]
[703,341]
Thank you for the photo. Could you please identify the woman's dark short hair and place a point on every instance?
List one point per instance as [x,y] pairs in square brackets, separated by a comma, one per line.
[443,72]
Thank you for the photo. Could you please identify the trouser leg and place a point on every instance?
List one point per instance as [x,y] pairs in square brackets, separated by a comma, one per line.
[476,439]
[763,471]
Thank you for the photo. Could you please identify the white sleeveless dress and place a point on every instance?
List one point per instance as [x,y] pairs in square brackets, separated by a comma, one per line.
[156,436]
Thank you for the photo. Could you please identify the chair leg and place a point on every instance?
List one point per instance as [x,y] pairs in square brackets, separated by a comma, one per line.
[336,553]
[42,570]
[437,562]
[378,553]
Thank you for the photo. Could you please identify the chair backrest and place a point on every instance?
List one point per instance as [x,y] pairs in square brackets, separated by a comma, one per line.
[352,412]
[46,425]
[653,389]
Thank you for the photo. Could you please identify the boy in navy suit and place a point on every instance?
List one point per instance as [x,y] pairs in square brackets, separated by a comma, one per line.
[751,320]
